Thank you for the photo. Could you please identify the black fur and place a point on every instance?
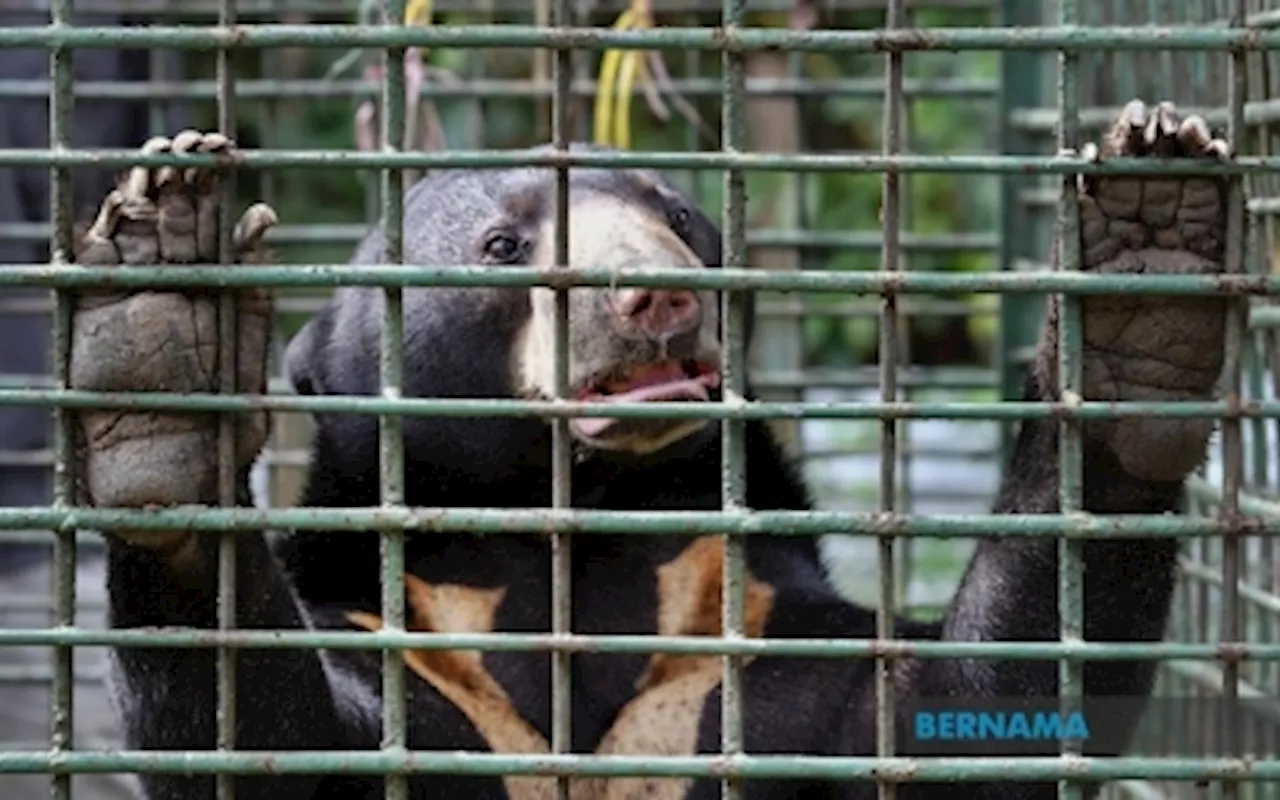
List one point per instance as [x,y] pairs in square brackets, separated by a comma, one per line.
[458,344]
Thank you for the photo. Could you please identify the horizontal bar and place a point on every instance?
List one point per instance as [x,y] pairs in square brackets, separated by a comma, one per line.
[35,603]
[910,306]
[676,160]
[491,88]
[632,523]
[1211,493]
[869,240]
[907,306]
[301,456]
[1262,600]
[633,645]
[1045,199]
[722,279]
[44,675]
[623,644]
[345,8]
[917,377]
[1048,198]
[922,451]
[1044,120]
[1210,676]
[84,539]
[244,37]
[1264,317]
[897,770]
[1264,205]
[909,378]
[564,409]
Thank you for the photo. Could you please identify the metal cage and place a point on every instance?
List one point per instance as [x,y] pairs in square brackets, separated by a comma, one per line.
[897,538]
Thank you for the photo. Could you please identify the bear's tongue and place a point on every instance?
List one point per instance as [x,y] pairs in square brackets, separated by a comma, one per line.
[659,382]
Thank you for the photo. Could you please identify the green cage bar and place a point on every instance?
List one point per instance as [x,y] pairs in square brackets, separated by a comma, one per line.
[1222,639]
[1061,38]
[227,603]
[1070,390]
[1232,442]
[561,445]
[897,770]
[891,214]
[733,432]
[390,426]
[64,548]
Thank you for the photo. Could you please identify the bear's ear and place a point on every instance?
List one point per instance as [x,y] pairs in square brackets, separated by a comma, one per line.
[304,355]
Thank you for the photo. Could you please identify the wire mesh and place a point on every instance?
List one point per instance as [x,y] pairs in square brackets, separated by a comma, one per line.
[845,415]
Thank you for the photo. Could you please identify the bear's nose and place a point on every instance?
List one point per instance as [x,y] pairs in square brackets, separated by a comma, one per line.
[659,313]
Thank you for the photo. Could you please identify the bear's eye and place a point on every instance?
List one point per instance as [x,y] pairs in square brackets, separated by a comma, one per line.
[502,248]
[679,219]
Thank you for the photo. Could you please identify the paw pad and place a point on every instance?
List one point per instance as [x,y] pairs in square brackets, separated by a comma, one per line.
[165,340]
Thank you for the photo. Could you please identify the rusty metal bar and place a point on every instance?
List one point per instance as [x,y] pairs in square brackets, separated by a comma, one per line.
[638,644]
[733,432]
[225,667]
[726,279]
[391,427]
[1070,390]
[891,215]
[840,768]
[266,89]
[561,444]
[1232,432]
[653,159]
[61,208]
[517,520]
[670,410]
[738,39]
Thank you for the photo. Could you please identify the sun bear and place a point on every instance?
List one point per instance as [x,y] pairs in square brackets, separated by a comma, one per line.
[626,344]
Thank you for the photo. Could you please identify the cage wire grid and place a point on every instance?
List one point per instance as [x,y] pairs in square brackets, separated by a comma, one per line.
[1228,600]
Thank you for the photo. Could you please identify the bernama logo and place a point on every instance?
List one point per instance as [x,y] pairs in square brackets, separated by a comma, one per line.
[1027,726]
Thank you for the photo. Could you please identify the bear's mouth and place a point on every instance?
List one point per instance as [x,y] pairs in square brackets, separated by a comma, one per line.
[689,380]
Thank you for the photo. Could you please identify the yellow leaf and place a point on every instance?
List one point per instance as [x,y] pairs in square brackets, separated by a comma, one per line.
[605,85]
[418,12]
[604,96]
[626,87]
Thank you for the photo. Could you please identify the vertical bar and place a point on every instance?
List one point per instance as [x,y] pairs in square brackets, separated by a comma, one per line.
[274,472]
[561,445]
[226,662]
[1070,489]
[61,101]
[1257,566]
[800,221]
[1021,74]
[1164,14]
[891,210]
[1260,565]
[1232,433]
[391,427]
[1204,555]
[733,447]
[904,551]
[580,117]
[478,69]
[159,111]
[541,18]
[1269,357]
[270,62]
[366,14]
[693,180]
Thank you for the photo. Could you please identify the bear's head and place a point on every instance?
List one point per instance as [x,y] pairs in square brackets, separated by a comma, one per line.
[625,344]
